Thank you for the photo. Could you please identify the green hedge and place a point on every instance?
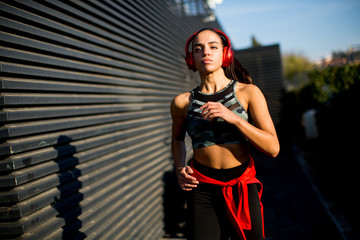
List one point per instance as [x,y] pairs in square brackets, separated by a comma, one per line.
[328,82]
[333,91]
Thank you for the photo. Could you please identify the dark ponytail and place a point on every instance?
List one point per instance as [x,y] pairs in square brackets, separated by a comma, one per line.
[237,72]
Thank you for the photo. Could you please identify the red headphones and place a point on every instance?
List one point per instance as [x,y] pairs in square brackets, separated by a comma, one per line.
[228,55]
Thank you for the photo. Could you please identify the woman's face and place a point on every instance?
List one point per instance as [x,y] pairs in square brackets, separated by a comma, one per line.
[207,51]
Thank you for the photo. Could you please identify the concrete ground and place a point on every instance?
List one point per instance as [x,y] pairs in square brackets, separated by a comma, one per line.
[292,210]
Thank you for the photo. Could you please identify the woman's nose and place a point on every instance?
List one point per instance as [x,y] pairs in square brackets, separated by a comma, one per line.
[206,51]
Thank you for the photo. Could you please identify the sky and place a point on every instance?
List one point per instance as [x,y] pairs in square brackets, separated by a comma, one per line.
[313,28]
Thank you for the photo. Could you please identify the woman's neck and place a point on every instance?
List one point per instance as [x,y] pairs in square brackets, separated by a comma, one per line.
[213,82]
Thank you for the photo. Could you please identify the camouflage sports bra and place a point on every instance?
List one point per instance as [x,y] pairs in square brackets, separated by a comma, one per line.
[205,133]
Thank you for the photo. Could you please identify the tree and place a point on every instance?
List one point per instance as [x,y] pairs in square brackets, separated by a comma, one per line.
[331,81]
[254,42]
[296,68]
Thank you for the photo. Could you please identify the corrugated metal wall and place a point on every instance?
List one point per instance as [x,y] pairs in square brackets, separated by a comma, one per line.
[85,124]
[264,65]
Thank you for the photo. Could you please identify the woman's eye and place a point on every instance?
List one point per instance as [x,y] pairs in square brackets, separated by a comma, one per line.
[197,50]
[213,47]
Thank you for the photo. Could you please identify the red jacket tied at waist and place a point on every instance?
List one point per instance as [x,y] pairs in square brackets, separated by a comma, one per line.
[239,215]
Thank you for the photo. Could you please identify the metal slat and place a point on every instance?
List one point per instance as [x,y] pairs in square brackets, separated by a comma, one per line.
[16,114]
[120,208]
[136,19]
[86,33]
[43,72]
[30,173]
[13,146]
[128,87]
[54,98]
[90,151]
[107,201]
[43,184]
[120,69]
[115,59]
[117,27]
[110,173]
[21,129]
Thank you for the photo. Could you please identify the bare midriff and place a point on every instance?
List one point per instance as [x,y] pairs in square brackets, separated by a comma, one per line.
[222,156]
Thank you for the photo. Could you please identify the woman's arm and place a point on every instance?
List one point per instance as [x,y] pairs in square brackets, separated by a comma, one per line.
[178,114]
[263,135]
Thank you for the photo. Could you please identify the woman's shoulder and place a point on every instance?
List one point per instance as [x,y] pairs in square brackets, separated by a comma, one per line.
[248,94]
[246,87]
[181,101]
[247,90]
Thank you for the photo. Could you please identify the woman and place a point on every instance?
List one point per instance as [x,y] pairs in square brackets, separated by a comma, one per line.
[224,200]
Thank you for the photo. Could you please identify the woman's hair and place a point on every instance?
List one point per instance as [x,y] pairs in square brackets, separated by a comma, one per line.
[235,70]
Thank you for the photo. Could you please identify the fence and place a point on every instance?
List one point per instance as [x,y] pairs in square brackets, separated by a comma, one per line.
[85,125]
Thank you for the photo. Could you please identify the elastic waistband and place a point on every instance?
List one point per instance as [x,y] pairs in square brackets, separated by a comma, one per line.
[223,175]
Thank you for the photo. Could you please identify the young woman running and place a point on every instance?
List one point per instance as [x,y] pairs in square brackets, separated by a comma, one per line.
[224,195]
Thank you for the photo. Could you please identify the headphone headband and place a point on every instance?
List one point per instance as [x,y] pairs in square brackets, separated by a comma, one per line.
[227,55]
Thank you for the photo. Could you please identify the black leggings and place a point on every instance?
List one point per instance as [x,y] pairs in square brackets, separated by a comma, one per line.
[208,218]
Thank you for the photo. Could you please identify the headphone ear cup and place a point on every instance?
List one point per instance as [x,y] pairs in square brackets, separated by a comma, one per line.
[228,56]
[189,59]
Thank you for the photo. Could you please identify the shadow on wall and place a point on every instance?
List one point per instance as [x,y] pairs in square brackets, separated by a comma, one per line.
[174,206]
[68,202]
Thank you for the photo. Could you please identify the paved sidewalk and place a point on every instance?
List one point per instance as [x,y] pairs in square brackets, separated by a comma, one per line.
[292,210]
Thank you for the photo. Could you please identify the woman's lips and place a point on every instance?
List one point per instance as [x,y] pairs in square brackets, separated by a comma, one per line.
[206,60]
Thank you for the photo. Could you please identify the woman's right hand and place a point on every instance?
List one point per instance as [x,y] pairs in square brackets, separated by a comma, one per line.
[185,180]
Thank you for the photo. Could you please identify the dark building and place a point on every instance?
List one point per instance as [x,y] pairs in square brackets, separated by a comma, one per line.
[264,65]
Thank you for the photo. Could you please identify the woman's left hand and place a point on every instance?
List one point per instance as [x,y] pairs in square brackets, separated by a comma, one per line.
[215,109]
